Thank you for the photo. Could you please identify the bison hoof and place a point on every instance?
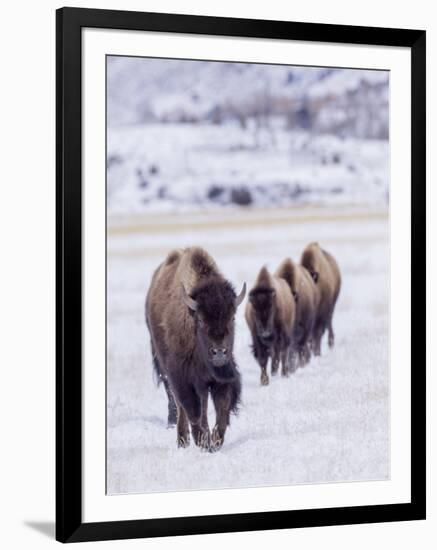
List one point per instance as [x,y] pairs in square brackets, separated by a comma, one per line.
[216,440]
[203,440]
[331,342]
[264,380]
[183,441]
[285,373]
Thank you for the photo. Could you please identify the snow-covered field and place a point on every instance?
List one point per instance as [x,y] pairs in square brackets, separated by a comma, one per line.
[168,167]
[328,422]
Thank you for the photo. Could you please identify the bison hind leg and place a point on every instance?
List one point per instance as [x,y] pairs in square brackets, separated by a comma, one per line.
[161,377]
[276,358]
[172,410]
[317,339]
[304,354]
[292,359]
[331,336]
[285,363]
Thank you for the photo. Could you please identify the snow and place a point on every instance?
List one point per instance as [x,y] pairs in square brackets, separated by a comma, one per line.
[328,422]
[173,167]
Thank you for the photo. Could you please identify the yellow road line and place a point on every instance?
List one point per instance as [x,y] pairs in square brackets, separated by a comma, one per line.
[229,222]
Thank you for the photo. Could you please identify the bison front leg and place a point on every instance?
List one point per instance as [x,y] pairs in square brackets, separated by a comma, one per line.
[264,379]
[195,409]
[200,429]
[222,398]
[262,356]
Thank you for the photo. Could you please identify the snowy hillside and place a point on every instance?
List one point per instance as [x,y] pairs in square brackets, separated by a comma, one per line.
[143,90]
[194,134]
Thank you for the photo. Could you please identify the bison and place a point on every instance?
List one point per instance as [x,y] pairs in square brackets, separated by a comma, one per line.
[306,296]
[325,272]
[270,314]
[190,309]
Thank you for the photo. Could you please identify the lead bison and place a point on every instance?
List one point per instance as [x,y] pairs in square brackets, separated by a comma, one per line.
[270,314]
[306,297]
[325,272]
[190,309]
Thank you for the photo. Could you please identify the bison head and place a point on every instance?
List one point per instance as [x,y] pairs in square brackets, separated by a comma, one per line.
[213,303]
[263,303]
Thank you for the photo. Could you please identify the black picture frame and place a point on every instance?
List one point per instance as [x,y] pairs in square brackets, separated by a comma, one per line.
[69,525]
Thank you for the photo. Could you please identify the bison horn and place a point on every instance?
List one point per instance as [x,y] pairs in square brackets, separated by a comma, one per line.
[192,304]
[241,296]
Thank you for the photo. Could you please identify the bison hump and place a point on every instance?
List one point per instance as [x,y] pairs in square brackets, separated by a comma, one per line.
[196,265]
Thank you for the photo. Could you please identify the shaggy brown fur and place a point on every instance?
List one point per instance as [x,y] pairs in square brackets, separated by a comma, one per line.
[306,297]
[190,310]
[325,272]
[270,314]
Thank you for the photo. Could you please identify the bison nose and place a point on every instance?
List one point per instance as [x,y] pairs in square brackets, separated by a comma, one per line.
[219,352]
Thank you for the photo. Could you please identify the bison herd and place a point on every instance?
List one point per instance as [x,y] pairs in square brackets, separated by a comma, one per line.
[190,314]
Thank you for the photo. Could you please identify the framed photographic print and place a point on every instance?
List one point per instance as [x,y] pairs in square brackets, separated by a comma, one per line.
[240,274]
